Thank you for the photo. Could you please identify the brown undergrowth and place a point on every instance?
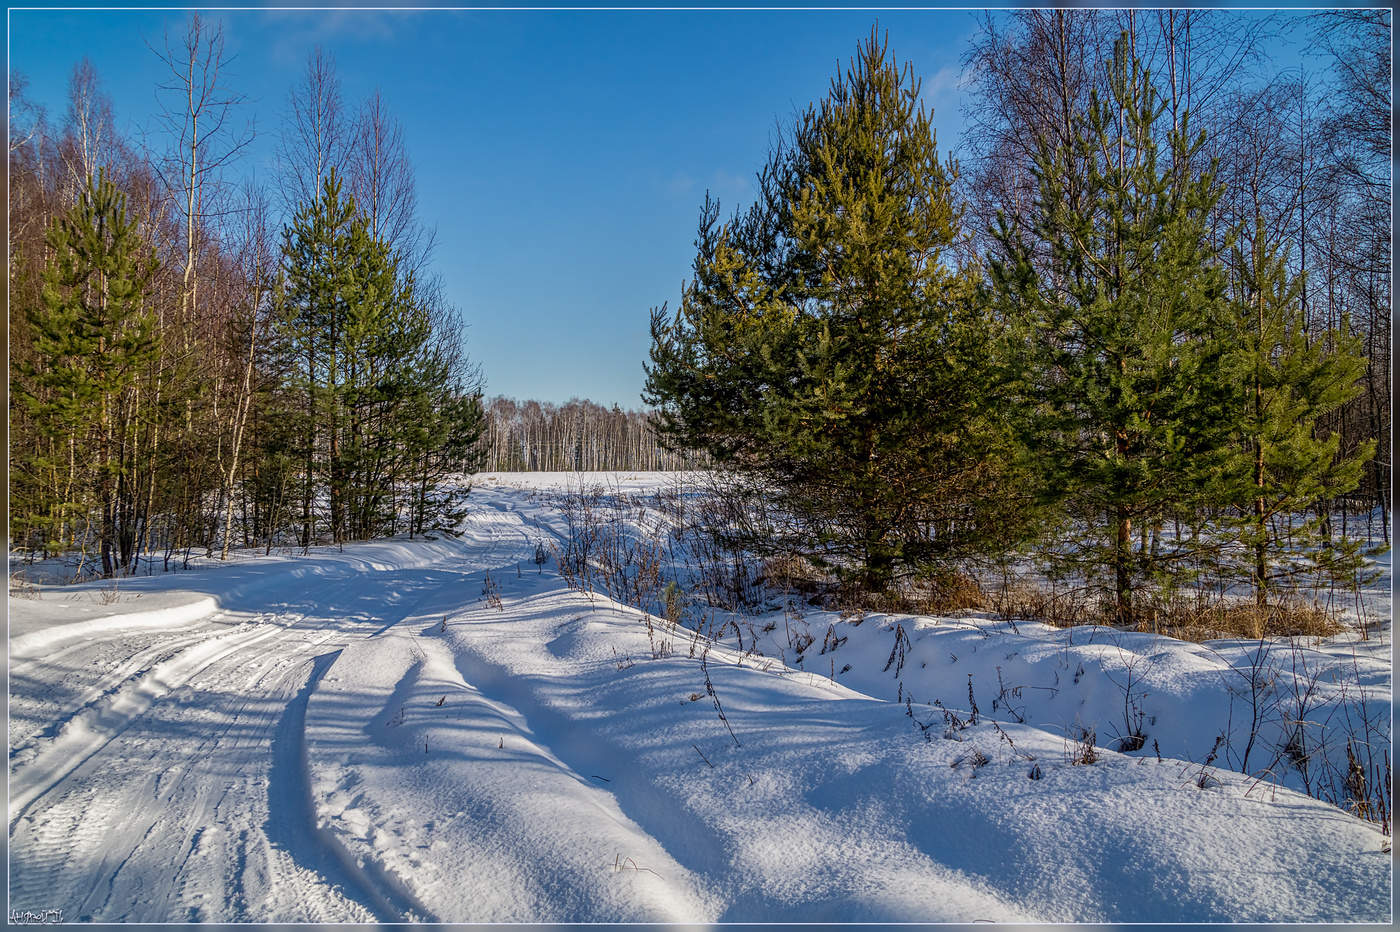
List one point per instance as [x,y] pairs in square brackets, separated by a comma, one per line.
[1187,618]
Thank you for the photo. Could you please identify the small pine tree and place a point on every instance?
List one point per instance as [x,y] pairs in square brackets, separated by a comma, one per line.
[93,336]
[1290,379]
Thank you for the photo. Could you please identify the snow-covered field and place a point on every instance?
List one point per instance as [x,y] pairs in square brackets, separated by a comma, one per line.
[440,730]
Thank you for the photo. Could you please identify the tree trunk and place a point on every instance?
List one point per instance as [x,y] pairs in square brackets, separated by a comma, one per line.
[1261,569]
[245,404]
[1122,569]
[309,477]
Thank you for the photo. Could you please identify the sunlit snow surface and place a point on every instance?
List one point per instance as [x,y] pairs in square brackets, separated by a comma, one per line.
[360,735]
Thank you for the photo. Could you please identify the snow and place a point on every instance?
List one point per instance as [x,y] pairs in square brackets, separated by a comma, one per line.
[381,733]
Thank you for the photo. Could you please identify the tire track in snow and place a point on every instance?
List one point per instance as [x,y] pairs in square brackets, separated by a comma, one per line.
[87,734]
[124,673]
[153,802]
[229,844]
[72,831]
[177,837]
[214,838]
[154,856]
[293,824]
[110,815]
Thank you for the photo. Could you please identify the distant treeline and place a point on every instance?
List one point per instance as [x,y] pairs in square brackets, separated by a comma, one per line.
[526,436]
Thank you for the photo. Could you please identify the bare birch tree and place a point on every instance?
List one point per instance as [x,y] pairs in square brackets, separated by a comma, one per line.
[198,117]
[381,179]
[314,136]
[89,136]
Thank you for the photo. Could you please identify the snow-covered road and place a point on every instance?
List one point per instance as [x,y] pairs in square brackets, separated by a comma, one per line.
[157,753]
[437,731]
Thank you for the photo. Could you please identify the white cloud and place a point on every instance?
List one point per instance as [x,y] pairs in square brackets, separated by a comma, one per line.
[732,189]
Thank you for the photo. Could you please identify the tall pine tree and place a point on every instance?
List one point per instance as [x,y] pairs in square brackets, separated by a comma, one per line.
[1119,341]
[385,410]
[316,263]
[829,350]
[93,336]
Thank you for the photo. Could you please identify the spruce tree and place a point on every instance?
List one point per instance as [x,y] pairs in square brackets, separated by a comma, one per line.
[1118,342]
[829,351]
[93,337]
[1290,379]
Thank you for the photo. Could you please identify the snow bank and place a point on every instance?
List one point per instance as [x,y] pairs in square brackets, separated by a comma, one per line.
[53,614]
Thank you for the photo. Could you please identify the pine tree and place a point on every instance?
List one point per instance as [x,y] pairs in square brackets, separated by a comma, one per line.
[93,336]
[274,463]
[317,265]
[383,329]
[384,406]
[1291,379]
[445,428]
[828,350]
[1119,345]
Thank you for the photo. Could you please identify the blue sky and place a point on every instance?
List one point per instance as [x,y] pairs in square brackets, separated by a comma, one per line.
[562,156]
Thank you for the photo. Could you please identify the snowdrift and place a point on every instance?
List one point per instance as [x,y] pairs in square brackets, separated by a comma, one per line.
[541,742]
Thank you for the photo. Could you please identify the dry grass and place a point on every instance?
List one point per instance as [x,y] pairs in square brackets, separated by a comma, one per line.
[1292,617]
[792,572]
[1059,608]
[935,593]
[949,591]
[1080,747]
[1188,616]
[1194,618]
[1189,621]
[941,594]
[22,588]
